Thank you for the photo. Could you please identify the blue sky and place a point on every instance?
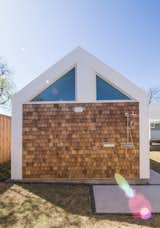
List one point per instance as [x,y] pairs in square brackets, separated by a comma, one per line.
[125,34]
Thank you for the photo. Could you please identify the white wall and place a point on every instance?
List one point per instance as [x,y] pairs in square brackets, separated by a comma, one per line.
[154,111]
[144,139]
[154,114]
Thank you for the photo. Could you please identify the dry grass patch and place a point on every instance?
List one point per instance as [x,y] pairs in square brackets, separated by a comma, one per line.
[155,155]
[155,161]
[57,205]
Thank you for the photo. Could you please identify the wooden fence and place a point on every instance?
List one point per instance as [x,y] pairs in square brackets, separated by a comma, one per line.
[5,138]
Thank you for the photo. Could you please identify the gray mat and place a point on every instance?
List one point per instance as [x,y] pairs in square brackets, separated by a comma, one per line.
[111,199]
[154,177]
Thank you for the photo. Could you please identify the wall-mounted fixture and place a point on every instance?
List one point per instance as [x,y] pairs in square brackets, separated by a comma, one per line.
[130,114]
[127,145]
[108,145]
[130,124]
[78,109]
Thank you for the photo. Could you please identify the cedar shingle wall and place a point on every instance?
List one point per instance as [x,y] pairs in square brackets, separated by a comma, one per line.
[59,143]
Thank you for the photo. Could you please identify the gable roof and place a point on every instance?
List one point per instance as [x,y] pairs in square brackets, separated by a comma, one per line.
[79,57]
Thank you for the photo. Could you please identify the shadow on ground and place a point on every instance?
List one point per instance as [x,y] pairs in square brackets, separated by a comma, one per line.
[5,171]
[58,205]
[4,175]
[75,200]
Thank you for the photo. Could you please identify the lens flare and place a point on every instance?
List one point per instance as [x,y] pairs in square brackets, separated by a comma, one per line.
[140,207]
[138,204]
[55,91]
[123,184]
[145,213]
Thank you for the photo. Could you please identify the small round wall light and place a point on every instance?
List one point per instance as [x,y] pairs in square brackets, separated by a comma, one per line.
[78,109]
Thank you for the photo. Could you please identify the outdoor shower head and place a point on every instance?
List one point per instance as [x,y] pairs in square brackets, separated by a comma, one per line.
[126,114]
[133,114]
[129,114]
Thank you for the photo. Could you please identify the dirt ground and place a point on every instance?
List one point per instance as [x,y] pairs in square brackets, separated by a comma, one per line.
[58,205]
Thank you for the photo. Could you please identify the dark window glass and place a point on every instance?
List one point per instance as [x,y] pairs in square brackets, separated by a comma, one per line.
[107,92]
[155,125]
[61,90]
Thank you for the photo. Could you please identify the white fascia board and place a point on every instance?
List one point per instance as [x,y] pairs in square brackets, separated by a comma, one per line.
[144,139]
[113,77]
[85,62]
[16,140]
[52,74]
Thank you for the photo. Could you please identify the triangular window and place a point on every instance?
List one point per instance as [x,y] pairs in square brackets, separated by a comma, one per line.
[61,90]
[105,91]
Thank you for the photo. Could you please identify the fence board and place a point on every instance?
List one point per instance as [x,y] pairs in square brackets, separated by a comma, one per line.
[5,138]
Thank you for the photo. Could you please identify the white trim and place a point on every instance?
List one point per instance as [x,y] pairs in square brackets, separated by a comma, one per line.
[155,120]
[144,139]
[113,76]
[85,81]
[113,85]
[7,115]
[76,83]
[83,60]
[16,142]
[58,76]
[66,102]
[87,65]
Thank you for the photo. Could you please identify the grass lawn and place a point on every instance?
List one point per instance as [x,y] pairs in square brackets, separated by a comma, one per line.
[57,205]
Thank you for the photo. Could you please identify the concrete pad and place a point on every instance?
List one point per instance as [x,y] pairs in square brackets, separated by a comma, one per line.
[111,199]
[154,177]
